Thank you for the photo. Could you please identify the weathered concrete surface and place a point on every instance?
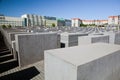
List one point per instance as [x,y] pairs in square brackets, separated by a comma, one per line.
[114,38]
[93,39]
[71,39]
[97,61]
[117,38]
[14,50]
[30,47]
[6,38]
[12,35]
[9,35]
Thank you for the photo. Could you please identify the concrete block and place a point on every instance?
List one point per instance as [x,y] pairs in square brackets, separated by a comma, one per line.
[70,39]
[93,39]
[114,38]
[12,35]
[30,47]
[97,61]
[111,37]
[117,38]
[14,50]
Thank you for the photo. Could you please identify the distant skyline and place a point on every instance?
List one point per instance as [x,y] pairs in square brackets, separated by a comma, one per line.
[83,9]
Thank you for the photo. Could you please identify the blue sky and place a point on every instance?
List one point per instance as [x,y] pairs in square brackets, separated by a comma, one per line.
[83,9]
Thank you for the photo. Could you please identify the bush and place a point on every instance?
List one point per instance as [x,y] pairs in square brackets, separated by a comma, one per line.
[83,25]
[4,26]
[53,24]
[101,26]
[9,26]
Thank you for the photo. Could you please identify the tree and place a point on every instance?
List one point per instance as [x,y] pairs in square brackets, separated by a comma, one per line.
[3,26]
[83,25]
[9,26]
[53,24]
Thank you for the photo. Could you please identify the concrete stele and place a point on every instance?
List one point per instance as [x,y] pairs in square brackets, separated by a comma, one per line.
[93,39]
[97,61]
[71,39]
[30,47]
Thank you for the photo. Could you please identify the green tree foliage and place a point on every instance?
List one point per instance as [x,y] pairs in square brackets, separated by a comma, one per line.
[83,25]
[4,26]
[92,25]
[9,26]
[53,24]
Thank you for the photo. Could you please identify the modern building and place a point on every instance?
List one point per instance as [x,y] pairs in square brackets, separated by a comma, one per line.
[13,21]
[49,21]
[114,20]
[32,20]
[76,22]
[67,22]
[60,22]
[37,20]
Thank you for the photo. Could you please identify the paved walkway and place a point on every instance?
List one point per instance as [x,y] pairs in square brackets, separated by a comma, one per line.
[31,72]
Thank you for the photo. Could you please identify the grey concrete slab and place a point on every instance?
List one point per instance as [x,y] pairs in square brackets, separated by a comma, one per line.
[9,35]
[70,39]
[30,47]
[114,37]
[93,39]
[111,37]
[97,61]
[117,38]
[14,50]
[12,34]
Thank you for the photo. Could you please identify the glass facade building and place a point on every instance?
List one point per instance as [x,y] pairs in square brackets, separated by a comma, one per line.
[32,20]
[13,21]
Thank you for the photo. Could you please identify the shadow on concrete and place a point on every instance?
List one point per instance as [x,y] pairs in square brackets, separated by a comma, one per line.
[7,61]
[2,43]
[25,74]
[9,65]
[62,45]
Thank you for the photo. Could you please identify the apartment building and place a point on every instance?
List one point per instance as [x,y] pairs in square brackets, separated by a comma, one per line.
[96,22]
[13,21]
[76,22]
[114,20]
[88,22]
[103,22]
